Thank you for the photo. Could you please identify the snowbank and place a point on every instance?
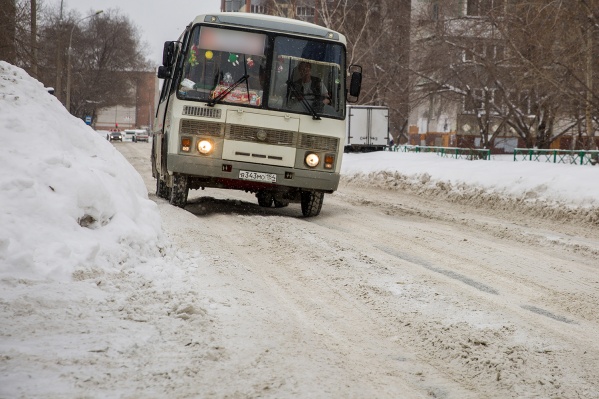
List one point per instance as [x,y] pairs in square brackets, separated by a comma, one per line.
[551,190]
[68,198]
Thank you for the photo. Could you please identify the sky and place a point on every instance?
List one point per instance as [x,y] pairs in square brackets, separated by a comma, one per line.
[74,212]
[157,21]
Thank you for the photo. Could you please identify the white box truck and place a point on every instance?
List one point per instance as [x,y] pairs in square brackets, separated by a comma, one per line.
[367,128]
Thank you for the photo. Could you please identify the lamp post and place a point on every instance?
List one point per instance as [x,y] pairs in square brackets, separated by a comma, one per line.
[68,101]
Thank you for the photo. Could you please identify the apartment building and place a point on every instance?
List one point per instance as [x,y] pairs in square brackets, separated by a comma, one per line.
[479,86]
[305,10]
[444,118]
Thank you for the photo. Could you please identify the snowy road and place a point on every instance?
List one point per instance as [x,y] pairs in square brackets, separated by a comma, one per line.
[386,295]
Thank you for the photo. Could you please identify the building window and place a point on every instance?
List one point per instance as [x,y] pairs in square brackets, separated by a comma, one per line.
[234,5]
[258,9]
[475,102]
[484,51]
[305,12]
[479,8]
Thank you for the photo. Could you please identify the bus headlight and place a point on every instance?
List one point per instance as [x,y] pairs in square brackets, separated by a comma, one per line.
[312,160]
[205,147]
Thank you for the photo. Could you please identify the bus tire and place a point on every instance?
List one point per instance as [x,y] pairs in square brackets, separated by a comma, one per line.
[162,190]
[281,203]
[264,199]
[179,191]
[311,203]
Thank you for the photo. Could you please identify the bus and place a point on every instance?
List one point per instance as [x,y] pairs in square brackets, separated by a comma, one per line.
[255,103]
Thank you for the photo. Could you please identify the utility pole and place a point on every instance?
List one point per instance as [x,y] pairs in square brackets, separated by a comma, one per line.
[34,38]
[589,82]
[58,88]
[68,102]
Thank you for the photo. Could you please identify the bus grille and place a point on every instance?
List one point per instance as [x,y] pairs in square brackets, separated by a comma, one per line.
[311,142]
[200,111]
[189,126]
[249,133]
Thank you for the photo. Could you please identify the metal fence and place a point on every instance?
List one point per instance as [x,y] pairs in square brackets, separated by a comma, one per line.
[576,157]
[448,152]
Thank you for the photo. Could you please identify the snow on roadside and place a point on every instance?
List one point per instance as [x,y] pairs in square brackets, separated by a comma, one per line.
[68,198]
[88,281]
[542,189]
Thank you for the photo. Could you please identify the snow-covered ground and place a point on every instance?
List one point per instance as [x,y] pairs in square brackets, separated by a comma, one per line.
[95,296]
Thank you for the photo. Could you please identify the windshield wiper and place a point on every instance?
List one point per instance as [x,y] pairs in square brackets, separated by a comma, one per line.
[298,95]
[229,90]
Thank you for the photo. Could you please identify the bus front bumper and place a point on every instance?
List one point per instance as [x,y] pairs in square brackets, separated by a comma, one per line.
[218,173]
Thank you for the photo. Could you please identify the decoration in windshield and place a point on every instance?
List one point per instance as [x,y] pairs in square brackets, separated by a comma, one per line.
[224,66]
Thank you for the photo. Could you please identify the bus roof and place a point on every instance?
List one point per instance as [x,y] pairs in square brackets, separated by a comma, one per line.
[270,23]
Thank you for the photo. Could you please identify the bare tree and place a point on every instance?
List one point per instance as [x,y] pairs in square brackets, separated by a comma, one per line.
[105,50]
[377,35]
[555,44]
[22,34]
[517,67]
[8,28]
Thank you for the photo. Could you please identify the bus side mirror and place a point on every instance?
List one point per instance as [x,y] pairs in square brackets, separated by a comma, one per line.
[164,72]
[355,84]
[168,54]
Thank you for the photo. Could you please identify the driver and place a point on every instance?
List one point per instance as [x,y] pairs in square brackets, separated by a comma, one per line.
[310,87]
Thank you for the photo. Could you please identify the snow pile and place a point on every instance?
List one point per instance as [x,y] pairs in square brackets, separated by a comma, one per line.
[68,198]
[551,190]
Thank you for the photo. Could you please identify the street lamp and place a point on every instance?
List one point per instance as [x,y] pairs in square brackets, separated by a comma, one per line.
[68,101]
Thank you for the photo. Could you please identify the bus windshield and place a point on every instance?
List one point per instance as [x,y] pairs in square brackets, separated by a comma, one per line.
[307,75]
[238,67]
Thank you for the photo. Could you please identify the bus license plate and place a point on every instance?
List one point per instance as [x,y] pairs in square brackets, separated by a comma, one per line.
[257,176]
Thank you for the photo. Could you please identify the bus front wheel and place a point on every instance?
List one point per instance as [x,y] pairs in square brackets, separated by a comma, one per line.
[162,190]
[311,203]
[179,191]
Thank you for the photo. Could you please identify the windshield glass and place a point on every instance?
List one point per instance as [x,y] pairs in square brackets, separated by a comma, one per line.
[306,77]
[238,67]
[217,59]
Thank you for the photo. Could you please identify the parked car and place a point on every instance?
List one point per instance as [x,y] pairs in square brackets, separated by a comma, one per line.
[128,135]
[135,135]
[116,136]
[142,135]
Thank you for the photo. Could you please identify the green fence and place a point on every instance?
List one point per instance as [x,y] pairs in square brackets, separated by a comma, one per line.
[557,156]
[449,152]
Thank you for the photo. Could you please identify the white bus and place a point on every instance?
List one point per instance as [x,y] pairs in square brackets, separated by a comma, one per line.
[256,103]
